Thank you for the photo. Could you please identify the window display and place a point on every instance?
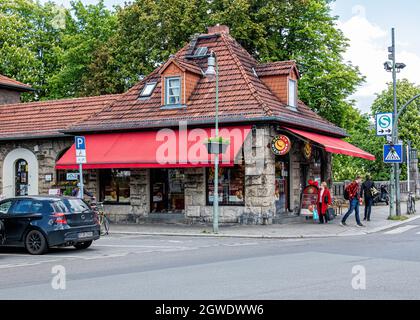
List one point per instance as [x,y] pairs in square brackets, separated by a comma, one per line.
[167,191]
[21,178]
[115,186]
[231,185]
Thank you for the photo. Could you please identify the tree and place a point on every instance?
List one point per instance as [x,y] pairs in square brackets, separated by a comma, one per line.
[363,134]
[28,42]
[88,28]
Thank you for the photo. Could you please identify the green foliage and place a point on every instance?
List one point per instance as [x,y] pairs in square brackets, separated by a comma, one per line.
[365,138]
[409,122]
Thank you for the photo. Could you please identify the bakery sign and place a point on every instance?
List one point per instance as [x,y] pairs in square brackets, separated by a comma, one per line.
[280,145]
[307,150]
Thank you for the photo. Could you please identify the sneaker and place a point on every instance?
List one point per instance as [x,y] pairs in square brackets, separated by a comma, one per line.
[343,224]
[360,225]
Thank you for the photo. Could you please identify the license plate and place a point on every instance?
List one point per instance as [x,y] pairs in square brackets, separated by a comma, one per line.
[85,234]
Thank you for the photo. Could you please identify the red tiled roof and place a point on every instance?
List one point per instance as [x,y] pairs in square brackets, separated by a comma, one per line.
[47,118]
[183,65]
[5,81]
[242,95]
[276,68]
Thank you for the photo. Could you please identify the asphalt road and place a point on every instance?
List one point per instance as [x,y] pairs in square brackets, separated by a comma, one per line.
[155,267]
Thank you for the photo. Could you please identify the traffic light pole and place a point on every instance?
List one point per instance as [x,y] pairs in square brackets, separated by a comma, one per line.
[394,199]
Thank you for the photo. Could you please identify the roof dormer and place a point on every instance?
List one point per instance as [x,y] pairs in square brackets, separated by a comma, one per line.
[282,80]
[178,80]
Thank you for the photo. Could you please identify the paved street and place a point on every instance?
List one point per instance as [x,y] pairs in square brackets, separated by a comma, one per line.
[164,267]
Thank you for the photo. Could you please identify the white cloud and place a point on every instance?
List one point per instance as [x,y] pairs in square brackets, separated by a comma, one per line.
[369,50]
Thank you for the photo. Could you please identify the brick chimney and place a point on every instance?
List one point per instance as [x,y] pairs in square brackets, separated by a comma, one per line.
[218,29]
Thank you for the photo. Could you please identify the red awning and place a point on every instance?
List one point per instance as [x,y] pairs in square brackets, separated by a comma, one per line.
[164,148]
[334,145]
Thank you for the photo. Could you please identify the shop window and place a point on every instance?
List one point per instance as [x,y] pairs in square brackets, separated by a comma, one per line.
[231,185]
[167,191]
[115,186]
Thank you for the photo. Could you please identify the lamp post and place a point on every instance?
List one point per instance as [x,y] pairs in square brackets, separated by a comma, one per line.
[394,67]
[213,72]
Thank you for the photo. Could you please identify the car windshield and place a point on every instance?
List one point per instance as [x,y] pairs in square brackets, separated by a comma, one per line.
[71,206]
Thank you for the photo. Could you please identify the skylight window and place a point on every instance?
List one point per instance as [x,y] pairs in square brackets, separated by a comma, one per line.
[200,51]
[148,89]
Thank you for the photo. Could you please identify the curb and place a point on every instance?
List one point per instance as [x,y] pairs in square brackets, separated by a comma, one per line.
[265,236]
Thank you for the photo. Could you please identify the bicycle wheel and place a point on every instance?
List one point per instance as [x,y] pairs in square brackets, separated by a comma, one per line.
[104,225]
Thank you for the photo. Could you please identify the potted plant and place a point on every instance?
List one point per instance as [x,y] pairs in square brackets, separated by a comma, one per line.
[216,145]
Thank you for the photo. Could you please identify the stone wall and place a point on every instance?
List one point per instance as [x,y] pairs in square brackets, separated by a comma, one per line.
[9,96]
[140,192]
[47,151]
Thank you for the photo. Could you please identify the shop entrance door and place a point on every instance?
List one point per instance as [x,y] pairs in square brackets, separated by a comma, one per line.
[167,191]
[282,182]
[21,178]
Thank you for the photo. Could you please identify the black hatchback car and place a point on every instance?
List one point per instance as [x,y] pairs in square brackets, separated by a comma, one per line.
[40,222]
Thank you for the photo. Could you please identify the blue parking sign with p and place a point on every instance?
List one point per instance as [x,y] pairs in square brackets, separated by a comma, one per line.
[80,143]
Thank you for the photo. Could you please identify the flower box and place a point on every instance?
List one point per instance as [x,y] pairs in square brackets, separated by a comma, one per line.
[217,145]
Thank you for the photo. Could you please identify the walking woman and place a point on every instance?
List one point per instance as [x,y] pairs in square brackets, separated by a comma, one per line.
[323,201]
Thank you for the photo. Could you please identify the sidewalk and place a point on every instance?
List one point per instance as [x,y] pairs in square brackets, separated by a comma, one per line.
[302,229]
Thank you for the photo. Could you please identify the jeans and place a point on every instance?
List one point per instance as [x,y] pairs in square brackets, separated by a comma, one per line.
[368,207]
[354,205]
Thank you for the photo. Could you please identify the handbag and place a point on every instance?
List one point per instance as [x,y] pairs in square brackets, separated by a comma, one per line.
[315,214]
[330,214]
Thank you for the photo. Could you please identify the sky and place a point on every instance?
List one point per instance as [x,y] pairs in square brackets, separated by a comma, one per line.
[367,24]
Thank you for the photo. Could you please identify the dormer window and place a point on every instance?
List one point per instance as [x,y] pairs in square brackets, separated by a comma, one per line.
[147,90]
[173,90]
[292,94]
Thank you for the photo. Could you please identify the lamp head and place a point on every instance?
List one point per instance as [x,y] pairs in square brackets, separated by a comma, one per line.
[211,71]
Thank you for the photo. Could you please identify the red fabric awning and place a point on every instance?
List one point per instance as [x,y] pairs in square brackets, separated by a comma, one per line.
[334,145]
[164,148]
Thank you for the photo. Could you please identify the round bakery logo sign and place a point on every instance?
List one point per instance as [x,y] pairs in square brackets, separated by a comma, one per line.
[280,145]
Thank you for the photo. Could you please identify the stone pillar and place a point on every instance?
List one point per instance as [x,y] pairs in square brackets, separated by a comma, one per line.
[259,174]
[195,191]
[140,191]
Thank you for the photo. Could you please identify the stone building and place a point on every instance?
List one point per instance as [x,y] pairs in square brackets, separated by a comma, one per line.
[145,149]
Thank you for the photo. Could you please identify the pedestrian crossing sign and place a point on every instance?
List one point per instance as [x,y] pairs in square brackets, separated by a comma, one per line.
[393,153]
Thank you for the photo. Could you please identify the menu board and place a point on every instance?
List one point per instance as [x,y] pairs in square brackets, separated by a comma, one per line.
[308,200]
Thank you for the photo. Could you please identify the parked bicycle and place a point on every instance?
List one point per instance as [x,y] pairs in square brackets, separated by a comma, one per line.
[411,204]
[98,207]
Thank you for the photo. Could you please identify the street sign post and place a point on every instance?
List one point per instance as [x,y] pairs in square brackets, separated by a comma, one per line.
[80,144]
[393,153]
[384,123]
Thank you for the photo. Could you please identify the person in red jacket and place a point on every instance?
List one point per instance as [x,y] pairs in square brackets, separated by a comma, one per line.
[323,201]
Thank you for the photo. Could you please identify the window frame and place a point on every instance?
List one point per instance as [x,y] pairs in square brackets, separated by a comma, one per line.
[294,107]
[102,187]
[209,203]
[148,84]
[167,96]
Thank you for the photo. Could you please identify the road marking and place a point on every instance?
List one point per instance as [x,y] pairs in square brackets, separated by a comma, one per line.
[401,229]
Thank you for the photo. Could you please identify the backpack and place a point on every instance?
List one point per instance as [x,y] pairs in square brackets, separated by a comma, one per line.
[346,193]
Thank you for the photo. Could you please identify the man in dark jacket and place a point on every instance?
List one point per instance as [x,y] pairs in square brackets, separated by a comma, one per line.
[353,190]
[367,192]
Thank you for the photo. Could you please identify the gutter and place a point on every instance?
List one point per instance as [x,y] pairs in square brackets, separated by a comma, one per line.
[32,137]
[175,123]
[14,87]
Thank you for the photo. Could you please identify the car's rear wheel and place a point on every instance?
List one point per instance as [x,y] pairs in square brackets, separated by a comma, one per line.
[83,245]
[35,242]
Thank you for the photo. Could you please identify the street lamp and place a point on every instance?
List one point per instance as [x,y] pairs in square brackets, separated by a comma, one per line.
[394,67]
[211,73]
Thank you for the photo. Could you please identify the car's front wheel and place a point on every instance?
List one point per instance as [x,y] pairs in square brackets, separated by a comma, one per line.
[35,242]
[83,245]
